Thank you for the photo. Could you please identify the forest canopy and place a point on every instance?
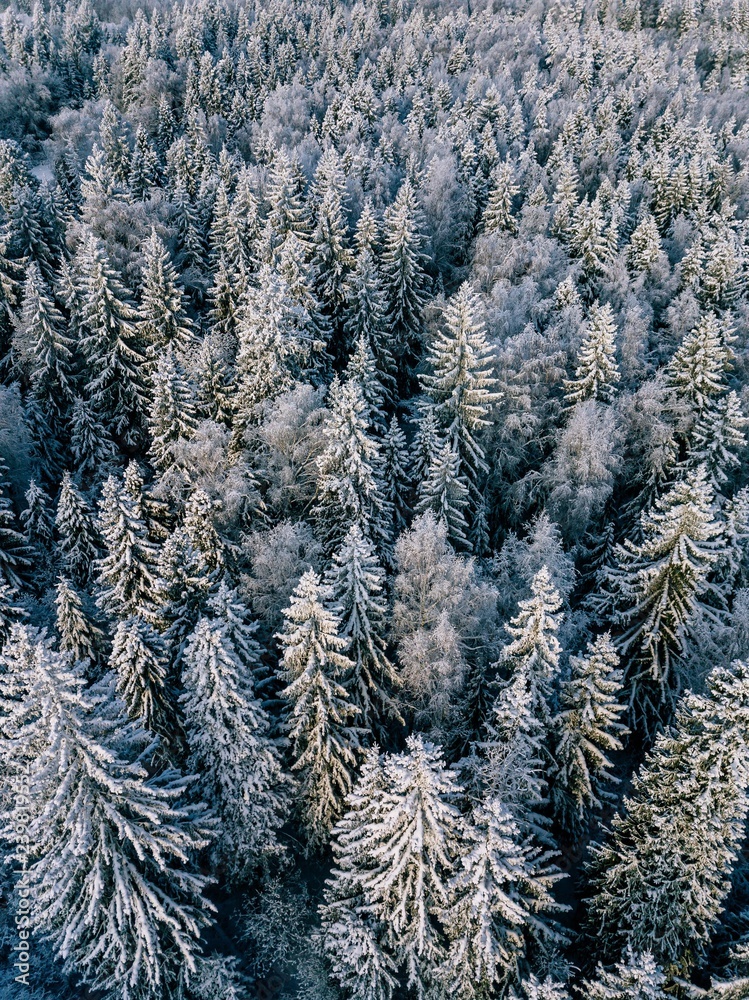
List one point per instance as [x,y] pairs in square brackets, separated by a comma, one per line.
[374,499]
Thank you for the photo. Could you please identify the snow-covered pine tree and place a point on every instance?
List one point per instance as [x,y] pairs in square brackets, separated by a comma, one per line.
[349,487]
[79,637]
[213,394]
[497,216]
[510,763]
[75,527]
[331,256]
[660,881]
[323,742]
[116,384]
[91,445]
[427,440]
[287,211]
[499,898]
[412,848]
[36,518]
[597,372]
[365,303]
[269,349]
[586,730]
[126,572]
[636,978]
[446,493]
[41,339]
[162,315]
[656,584]
[11,611]
[697,371]
[535,649]
[183,584]
[139,662]
[461,383]
[198,522]
[227,607]
[402,265]
[171,416]
[227,734]
[112,879]
[144,166]
[394,850]
[645,248]
[307,322]
[352,936]
[718,439]
[357,581]
[396,476]
[15,554]
[361,367]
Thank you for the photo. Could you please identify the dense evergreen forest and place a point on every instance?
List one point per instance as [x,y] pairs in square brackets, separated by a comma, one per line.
[374,499]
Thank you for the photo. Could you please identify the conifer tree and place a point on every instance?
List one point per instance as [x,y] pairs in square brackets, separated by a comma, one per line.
[320,715]
[200,529]
[269,348]
[348,470]
[510,762]
[698,368]
[645,245]
[287,210]
[49,349]
[587,729]
[395,474]
[99,185]
[352,935]
[108,340]
[656,584]
[660,881]
[213,394]
[718,439]
[138,660]
[498,212]
[361,366]
[462,384]
[227,733]
[113,880]
[144,166]
[445,492]
[75,527]
[412,848]
[15,554]
[171,416]
[331,256]
[163,320]
[366,307]
[427,441]
[126,572]
[535,649]
[91,445]
[11,611]
[402,263]
[183,585]
[79,637]
[636,978]
[597,372]
[228,609]
[37,520]
[499,898]
[357,581]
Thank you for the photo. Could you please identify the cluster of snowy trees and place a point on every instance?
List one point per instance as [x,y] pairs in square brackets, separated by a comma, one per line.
[374,498]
